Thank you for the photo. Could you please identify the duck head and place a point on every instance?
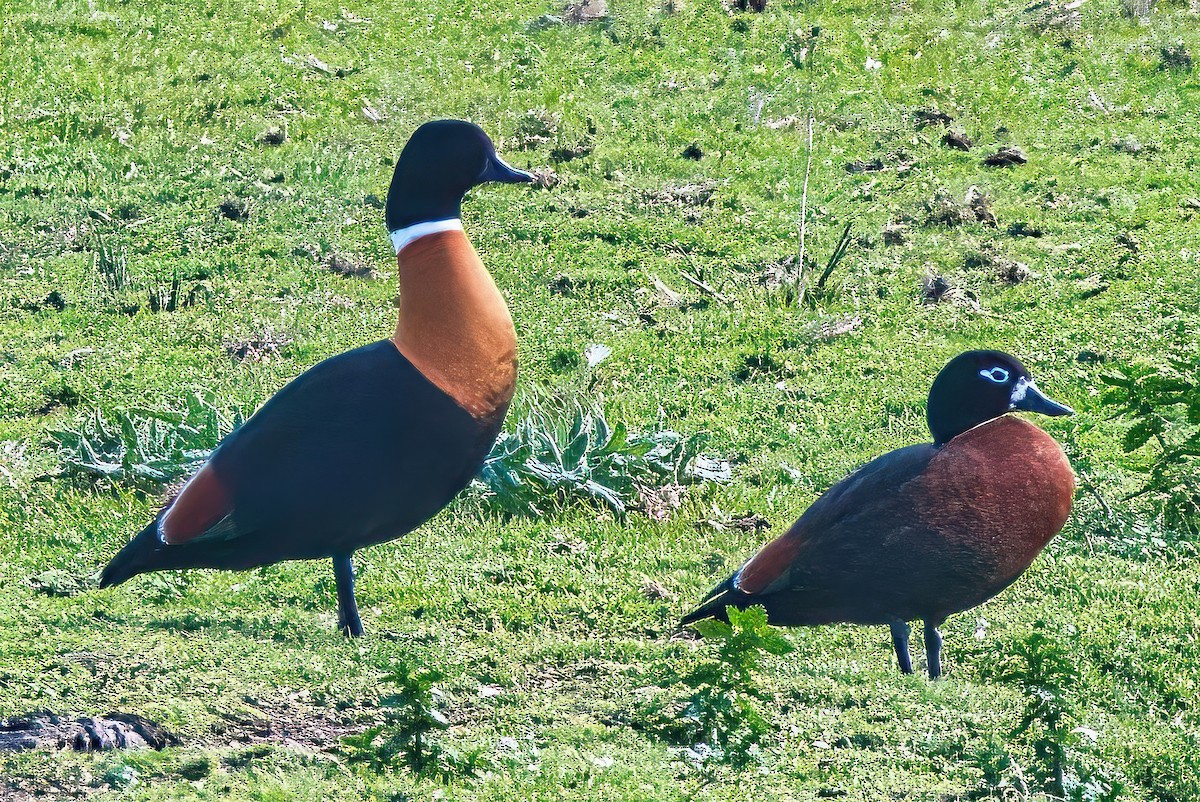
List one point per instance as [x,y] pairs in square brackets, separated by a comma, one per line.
[442,160]
[977,386]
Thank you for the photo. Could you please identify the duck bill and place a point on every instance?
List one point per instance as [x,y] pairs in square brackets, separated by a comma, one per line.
[1028,398]
[498,170]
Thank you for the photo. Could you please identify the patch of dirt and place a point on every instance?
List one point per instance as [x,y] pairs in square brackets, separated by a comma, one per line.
[345,265]
[562,285]
[568,153]
[693,195]
[936,289]
[53,300]
[273,136]
[895,234]
[1023,229]
[535,128]
[980,205]
[824,331]
[45,730]
[237,209]
[932,116]
[1048,16]
[1127,144]
[776,275]
[998,267]
[545,178]
[655,591]
[1176,57]
[659,502]
[873,166]
[943,209]
[290,726]
[763,367]
[259,347]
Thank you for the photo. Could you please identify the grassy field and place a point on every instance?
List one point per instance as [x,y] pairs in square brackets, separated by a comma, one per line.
[676,134]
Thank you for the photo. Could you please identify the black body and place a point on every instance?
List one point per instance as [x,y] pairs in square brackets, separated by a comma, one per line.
[360,449]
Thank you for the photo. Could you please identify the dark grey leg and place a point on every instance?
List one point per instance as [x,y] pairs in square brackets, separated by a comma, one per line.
[349,623]
[900,631]
[933,648]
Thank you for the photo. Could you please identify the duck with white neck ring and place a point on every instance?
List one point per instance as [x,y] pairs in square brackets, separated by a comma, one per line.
[365,446]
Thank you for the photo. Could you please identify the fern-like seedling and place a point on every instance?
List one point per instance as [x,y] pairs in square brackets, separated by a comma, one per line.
[1164,404]
[714,706]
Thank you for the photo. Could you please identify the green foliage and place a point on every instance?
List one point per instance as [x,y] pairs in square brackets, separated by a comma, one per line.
[411,717]
[719,705]
[564,452]
[1048,675]
[144,449]
[1163,401]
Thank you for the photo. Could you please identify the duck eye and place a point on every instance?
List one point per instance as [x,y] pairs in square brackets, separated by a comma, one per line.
[997,375]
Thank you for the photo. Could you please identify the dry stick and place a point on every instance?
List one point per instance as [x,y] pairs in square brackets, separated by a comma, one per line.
[811,121]
[703,287]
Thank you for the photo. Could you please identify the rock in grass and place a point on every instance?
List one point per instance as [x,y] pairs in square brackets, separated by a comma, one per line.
[1176,57]
[273,136]
[585,11]
[236,209]
[1011,156]
[957,140]
[45,730]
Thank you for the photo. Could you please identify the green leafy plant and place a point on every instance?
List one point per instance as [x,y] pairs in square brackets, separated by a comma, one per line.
[1163,401]
[411,717]
[144,449]
[718,706]
[565,452]
[1047,674]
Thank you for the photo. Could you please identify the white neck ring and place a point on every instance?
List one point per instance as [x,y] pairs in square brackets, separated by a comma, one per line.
[402,237]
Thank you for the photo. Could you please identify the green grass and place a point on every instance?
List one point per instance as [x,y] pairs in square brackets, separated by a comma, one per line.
[134,121]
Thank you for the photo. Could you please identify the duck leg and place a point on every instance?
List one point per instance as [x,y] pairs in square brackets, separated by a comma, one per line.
[933,647]
[349,624]
[900,632]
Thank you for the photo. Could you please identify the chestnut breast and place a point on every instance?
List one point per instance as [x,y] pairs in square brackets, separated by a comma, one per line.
[454,325]
[994,496]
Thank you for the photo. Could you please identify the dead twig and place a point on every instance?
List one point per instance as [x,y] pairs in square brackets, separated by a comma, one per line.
[705,288]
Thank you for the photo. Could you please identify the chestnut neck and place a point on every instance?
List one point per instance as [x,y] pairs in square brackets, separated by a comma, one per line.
[454,325]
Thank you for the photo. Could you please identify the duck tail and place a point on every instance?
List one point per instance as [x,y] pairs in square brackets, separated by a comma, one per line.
[137,557]
[713,605]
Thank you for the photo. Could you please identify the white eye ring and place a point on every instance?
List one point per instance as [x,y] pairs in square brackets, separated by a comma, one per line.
[997,375]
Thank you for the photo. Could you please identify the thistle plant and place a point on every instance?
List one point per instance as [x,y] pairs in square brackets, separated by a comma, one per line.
[146,450]
[565,452]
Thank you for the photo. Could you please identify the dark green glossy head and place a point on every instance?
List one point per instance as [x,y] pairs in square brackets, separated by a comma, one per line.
[442,160]
[977,386]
